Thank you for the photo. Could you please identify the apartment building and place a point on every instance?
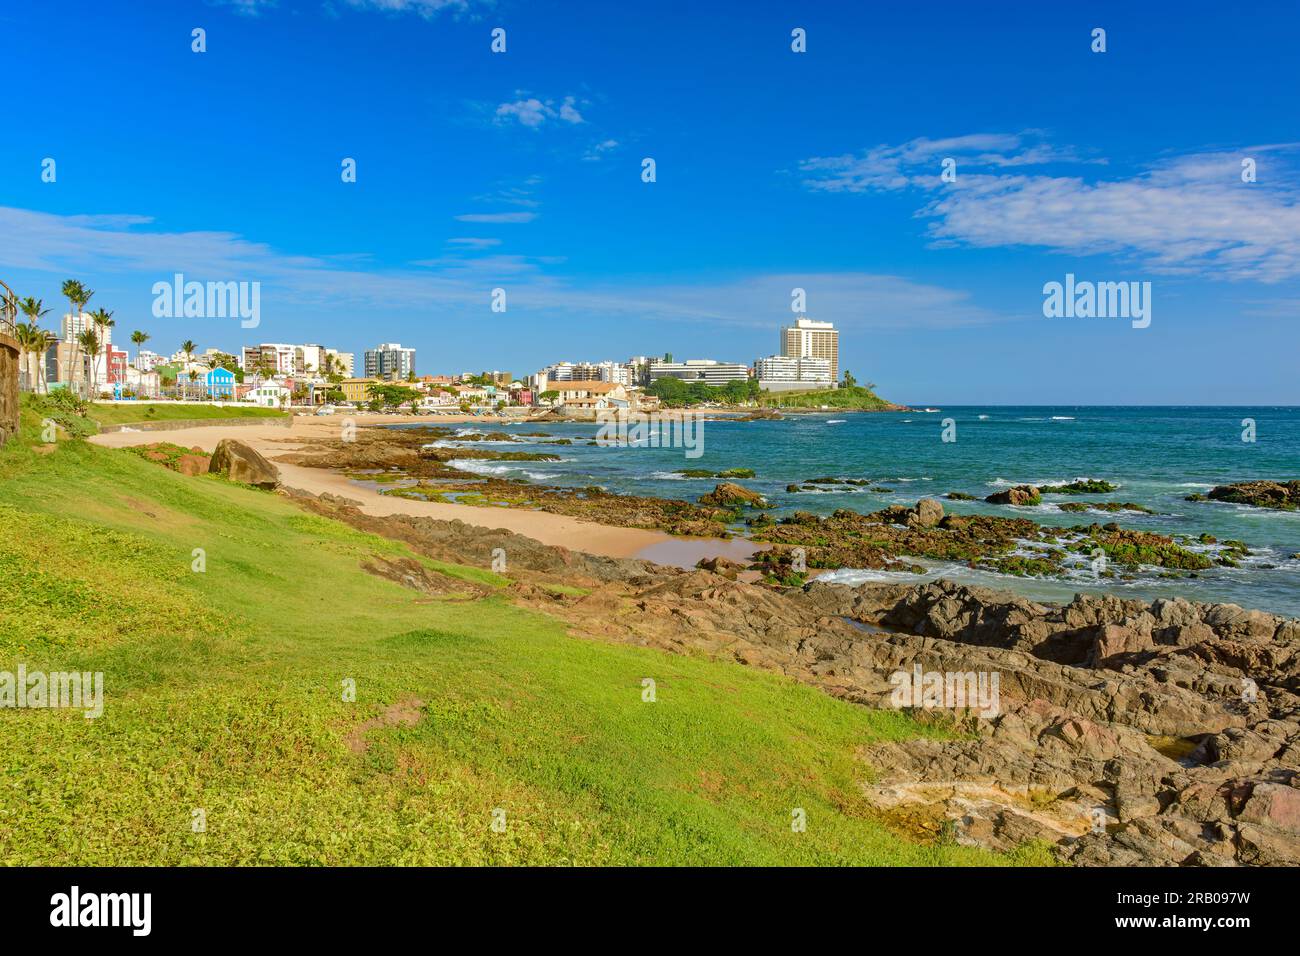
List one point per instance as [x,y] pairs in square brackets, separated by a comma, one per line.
[778,373]
[344,363]
[147,361]
[391,362]
[708,371]
[616,373]
[74,325]
[813,339]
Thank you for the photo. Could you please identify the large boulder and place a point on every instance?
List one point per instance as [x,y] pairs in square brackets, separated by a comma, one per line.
[240,463]
[1019,495]
[730,495]
[926,514]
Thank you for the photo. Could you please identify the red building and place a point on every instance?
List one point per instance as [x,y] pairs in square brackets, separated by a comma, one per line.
[116,365]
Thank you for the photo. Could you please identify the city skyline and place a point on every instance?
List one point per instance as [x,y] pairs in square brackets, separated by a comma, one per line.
[776,171]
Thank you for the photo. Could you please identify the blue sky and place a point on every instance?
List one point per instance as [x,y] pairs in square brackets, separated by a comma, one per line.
[774,170]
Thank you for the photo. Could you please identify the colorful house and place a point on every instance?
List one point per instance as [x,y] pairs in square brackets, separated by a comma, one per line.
[220,383]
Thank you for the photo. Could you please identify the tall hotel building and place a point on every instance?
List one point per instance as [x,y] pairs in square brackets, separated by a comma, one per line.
[816,339]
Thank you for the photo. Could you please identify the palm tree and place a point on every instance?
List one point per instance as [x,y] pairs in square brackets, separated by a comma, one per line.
[138,339]
[25,334]
[37,337]
[188,348]
[32,308]
[261,368]
[35,341]
[77,295]
[103,320]
[89,342]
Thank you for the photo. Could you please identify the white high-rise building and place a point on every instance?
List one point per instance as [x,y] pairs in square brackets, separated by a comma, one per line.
[785,373]
[74,325]
[814,339]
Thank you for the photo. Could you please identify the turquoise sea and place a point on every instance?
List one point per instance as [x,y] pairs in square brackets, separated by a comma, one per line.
[1157,456]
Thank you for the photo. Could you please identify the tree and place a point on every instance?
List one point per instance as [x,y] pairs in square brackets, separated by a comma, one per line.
[849,380]
[77,295]
[37,338]
[89,343]
[188,348]
[391,395]
[25,335]
[138,339]
[103,320]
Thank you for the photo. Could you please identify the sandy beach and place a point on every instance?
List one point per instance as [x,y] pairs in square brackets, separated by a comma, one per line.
[274,440]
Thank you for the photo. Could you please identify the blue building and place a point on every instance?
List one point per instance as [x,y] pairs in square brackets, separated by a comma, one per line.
[220,383]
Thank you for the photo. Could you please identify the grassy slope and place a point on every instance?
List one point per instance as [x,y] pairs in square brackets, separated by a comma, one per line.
[223,692]
[856,398]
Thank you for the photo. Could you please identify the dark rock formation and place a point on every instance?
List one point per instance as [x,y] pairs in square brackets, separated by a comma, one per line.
[240,463]
[1284,496]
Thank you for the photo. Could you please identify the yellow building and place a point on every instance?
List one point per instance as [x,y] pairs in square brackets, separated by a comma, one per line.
[354,390]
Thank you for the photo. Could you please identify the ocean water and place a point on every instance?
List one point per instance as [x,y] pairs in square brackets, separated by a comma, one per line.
[1156,455]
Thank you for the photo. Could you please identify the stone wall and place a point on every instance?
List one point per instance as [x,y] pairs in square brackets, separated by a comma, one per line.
[8,387]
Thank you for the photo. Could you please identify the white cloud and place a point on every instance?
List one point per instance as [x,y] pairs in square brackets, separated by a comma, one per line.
[534,113]
[598,150]
[425,8]
[96,249]
[471,242]
[569,112]
[247,7]
[1187,215]
[498,217]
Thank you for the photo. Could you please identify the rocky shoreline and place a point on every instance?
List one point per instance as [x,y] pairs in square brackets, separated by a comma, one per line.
[1123,732]
[422,463]
[1117,732]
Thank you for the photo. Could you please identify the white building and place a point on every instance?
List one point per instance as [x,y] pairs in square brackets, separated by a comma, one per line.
[616,373]
[74,325]
[270,395]
[708,371]
[778,373]
[344,362]
[815,339]
[147,361]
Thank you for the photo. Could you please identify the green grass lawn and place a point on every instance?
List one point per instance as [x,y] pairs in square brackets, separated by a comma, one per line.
[224,692]
[129,413]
